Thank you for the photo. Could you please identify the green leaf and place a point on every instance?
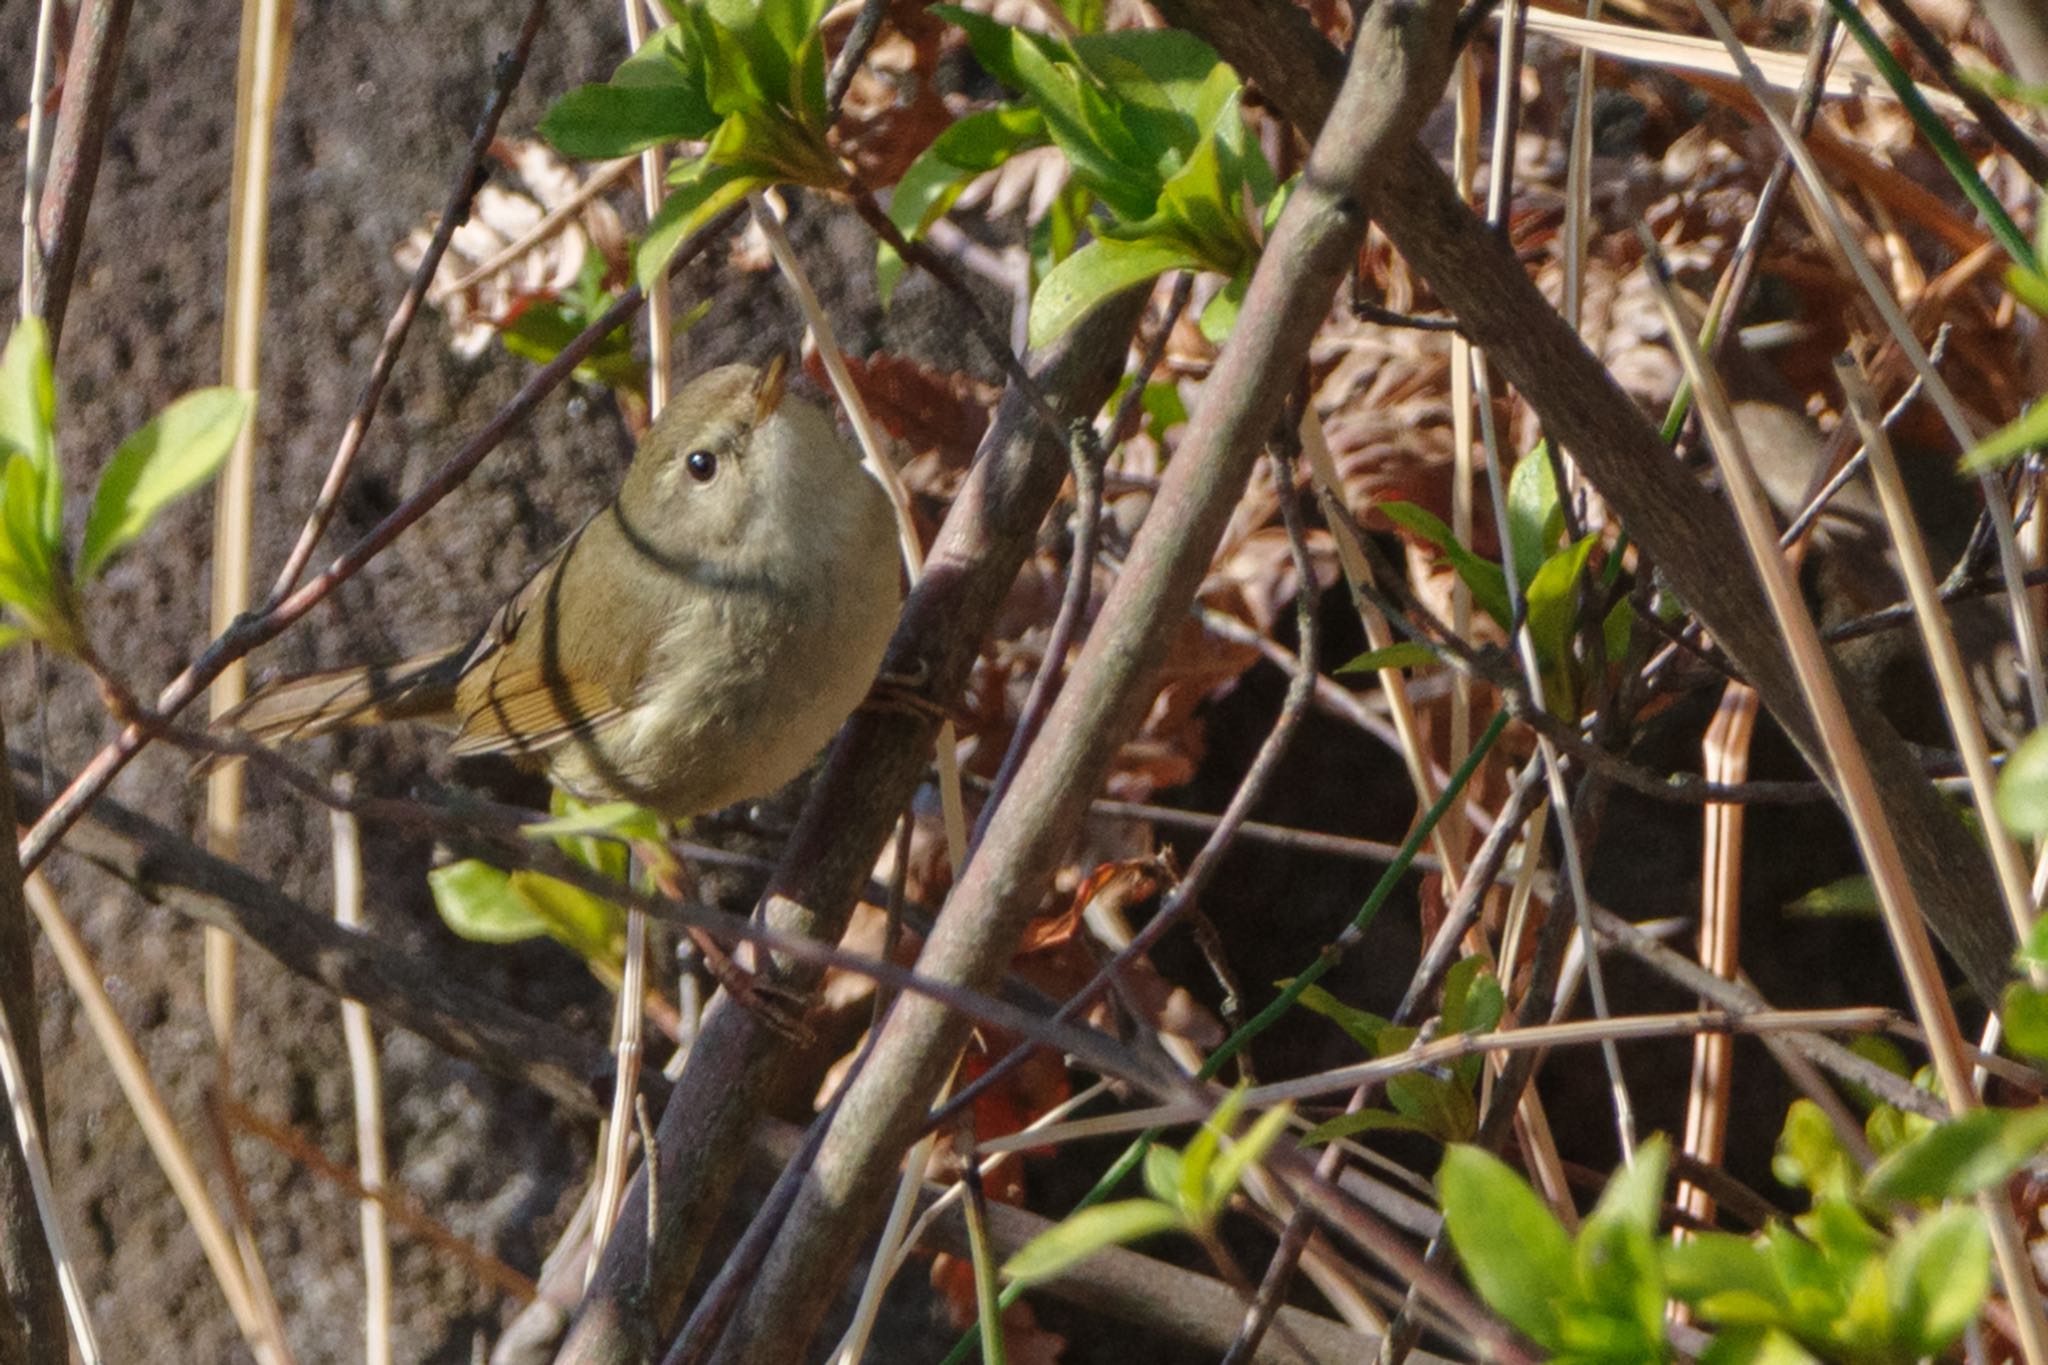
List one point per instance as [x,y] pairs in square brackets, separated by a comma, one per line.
[1092,275]
[969,147]
[478,902]
[621,819]
[1810,1156]
[2009,442]
[1854,894]
[589,926]
[1535,516]
[1363,1121]
[1757,1346]
[1472,997]
[1514,1249]
[489,905]
[1442,1107]
[1961,1156]
[28,420]
[1364,1027]
[1617,1251]
[594,122]
[2029,287]
[1553,597]
[1219,316]
[1728,1280]
[978,143]
[2023,784]
[694,201]
[171,455]
[1083,1234]
[2034,952]
[1619,627]
[1487,582]
[1162,1173]
[1939,1272]
[1406,654]
[1200,1153]
[2024,1013]
[1243,1152]
[11,635]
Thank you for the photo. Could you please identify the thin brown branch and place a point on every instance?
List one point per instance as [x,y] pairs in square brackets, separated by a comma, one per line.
[35,1300]
[97,39]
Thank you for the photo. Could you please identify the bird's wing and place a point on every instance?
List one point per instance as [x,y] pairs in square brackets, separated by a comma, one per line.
[537,676]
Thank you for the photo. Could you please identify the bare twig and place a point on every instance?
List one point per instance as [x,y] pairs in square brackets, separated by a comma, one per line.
[98,36]
[33,1291]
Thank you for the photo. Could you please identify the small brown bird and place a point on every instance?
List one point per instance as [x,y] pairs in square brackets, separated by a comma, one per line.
[693,644]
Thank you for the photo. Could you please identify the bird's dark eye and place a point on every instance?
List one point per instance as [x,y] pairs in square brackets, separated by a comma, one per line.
[702,464]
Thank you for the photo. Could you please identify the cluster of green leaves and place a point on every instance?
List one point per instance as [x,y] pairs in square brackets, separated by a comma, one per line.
[1188,1191]
[171,455]
[1883,1267]
[1549,571]
[1598,1297]
[745,77]
[544,326]
[1166,176]
[491,905]
[1443,1105]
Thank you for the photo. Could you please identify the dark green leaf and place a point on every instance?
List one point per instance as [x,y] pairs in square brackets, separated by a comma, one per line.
[1094,274]
[598,121]
[1472,997]
[1553,596]
[1535,516]
[704,194]
[1363,1121]
[1442,1107]
[1365,1028]
[1487,582]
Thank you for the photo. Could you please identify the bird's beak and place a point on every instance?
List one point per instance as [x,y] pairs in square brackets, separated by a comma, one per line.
[768,387]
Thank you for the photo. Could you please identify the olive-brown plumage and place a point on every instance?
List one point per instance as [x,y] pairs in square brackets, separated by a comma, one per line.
[693,644]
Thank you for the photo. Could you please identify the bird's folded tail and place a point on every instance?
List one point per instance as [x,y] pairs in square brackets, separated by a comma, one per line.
[309,704]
